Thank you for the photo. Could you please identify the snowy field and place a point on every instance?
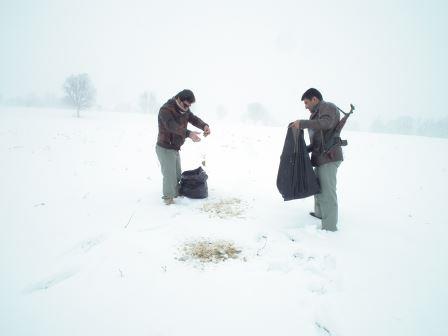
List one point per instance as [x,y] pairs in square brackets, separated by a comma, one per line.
[88,248]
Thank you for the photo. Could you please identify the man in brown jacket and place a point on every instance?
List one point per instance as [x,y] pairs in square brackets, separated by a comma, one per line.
[174,117]
[325,156]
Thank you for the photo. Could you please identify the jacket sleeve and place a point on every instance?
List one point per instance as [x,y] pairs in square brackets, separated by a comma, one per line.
[171,124]
[192,119]
[326,119]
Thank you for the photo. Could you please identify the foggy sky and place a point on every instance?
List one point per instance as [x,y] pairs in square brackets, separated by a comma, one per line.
[387,57]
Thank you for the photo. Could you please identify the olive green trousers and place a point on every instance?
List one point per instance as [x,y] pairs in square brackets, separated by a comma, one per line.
[326,203]
[171,171]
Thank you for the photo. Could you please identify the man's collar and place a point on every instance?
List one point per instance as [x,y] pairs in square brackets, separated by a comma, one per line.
[316,108]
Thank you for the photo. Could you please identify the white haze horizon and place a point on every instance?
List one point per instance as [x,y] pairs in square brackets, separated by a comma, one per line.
[386,57]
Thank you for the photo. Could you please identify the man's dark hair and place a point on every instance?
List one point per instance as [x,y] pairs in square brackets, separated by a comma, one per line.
[310,93]
[186,95]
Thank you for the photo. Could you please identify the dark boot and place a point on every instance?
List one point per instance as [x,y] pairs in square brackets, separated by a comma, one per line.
[314,215]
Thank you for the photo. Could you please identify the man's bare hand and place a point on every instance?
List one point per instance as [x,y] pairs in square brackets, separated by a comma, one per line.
[295,124]
[206,131]
[194,136]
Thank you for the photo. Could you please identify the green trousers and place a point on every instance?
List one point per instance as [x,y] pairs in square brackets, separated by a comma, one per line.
[171,171]
[326,203]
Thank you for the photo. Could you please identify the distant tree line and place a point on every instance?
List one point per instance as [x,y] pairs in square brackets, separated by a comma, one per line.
[79,93]
[32,100]
[408,125]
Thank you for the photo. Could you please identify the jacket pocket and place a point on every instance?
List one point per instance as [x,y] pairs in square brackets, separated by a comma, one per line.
[331,154]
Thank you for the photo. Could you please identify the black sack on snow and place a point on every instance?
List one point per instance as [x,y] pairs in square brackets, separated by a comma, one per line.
[193,183]
[296,178]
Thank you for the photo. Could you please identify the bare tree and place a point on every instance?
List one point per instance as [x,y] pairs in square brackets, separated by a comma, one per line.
[79,91]
[148,102]
[144,102]
[258,114]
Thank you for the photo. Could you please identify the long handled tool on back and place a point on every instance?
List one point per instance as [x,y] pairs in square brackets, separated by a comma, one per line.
[336,134]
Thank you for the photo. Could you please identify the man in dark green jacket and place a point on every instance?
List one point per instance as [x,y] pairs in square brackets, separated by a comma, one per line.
[173,119]
[323,120]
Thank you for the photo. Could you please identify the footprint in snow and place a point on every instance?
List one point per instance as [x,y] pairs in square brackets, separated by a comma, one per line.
[49,282]
[86,245]
[322,267]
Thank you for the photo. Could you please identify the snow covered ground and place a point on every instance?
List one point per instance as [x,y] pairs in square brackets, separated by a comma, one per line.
[88,248]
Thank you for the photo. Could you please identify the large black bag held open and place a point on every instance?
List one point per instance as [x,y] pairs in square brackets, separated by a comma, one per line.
[193,183]
[296,177]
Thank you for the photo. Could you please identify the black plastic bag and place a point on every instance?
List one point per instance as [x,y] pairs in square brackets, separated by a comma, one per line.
[296,178]
[193,183]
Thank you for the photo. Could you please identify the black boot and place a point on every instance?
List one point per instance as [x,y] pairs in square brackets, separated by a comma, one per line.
[314,215]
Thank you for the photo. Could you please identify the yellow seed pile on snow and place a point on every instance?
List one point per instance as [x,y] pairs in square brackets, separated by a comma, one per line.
[205,250]
[225,208]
